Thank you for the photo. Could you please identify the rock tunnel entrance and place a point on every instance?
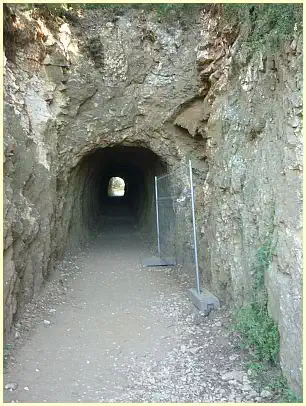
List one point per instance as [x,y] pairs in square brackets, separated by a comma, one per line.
[94,209]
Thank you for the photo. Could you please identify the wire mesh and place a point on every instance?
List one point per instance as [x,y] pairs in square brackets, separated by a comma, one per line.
[174,207]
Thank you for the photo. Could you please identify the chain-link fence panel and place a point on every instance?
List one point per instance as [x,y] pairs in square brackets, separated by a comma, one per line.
[176,228]
[177,232]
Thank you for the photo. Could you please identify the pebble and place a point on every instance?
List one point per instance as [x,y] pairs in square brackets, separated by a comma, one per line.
[246,388]
[11,386]
[265,393]
[190,371]
[194,350]
[293,45]
[233,375]
[294,122]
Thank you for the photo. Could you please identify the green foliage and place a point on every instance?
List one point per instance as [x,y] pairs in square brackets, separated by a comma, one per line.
[256,368]
[49,10]
[178,10]
[162,8]
[164,11]
[103,6]
[290,397]
[270,24]
[274,381]
[259,331]
[279,385]
[263,259]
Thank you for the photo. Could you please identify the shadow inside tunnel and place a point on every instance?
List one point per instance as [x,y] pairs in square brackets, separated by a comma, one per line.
[95,210]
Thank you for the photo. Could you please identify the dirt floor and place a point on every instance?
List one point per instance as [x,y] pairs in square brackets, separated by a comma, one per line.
[106,329]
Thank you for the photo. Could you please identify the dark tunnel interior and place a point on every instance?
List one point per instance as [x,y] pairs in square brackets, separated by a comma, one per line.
[93,210]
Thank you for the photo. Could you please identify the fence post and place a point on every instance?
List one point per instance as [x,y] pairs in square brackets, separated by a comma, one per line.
[194,230]
[157,217]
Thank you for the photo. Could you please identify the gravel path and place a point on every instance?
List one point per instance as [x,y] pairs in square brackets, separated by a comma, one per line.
[108,330]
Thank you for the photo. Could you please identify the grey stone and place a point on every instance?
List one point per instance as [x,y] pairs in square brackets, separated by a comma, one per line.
[265,393]
[204,301]
[11,386]
[56,59]
[233,375]
[246,387]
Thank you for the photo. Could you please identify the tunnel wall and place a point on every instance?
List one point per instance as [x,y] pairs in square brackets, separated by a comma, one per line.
[185,92]
[86,204]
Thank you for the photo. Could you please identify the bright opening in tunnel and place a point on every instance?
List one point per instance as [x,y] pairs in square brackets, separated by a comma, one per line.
[116,187]
[93,207]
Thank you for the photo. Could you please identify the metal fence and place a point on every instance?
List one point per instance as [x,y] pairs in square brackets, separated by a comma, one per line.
[175,219]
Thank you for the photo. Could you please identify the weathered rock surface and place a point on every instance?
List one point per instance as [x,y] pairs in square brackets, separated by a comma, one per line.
[253,189]
[181,94]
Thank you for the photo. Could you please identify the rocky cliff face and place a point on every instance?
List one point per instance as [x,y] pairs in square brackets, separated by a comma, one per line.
[181,93]
[252,195]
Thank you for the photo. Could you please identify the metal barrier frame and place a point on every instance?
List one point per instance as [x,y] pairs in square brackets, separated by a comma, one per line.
[158,261]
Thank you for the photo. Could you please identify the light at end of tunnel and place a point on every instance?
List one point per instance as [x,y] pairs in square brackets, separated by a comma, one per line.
[116,187]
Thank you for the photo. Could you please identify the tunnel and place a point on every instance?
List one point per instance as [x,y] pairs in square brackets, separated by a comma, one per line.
[89,208]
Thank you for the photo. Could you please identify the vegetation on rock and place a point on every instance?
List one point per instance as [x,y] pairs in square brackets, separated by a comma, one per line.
[259,332]
[267,27]
[270,24]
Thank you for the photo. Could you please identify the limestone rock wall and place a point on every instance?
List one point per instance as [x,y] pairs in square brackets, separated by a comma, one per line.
[29,185]
[253,190]
[182,93]
[69,90]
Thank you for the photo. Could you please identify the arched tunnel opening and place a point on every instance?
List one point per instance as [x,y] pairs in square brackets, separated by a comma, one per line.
[93,209]
[116,187]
